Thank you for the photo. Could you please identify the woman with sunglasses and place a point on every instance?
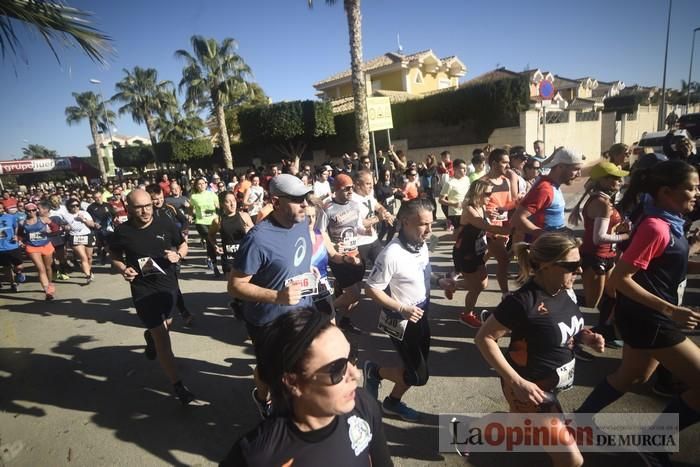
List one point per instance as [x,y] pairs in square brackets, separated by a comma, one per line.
[35,234]
[232,225]
[649,313]
[544,323]
[79,225]
[322,416]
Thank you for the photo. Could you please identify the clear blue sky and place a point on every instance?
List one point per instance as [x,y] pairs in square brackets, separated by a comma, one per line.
[289,47]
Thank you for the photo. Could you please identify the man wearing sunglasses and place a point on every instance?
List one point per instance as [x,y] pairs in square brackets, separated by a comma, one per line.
[272,272]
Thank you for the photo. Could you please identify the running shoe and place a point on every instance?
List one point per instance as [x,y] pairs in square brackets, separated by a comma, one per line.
[217,273]
[150,352]
[50,291]
[398,408]
[183,394]
[13,287]
[371,381]
[89,279]
[187,318]
[470,319]
[264,408]
[484,315]
[21,278]
[582,355]
[61,276]
[210,265]
[346,326]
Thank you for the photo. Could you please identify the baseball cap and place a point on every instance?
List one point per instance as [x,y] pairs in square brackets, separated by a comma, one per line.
[607,169]
[342,181]
[288,185]
[563,156]
[30,206]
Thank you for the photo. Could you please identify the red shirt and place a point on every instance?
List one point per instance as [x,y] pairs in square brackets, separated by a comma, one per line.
[165,186]
[648,242]
[449,169]
[10,204]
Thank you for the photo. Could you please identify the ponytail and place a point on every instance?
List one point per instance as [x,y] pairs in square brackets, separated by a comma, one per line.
[576,217]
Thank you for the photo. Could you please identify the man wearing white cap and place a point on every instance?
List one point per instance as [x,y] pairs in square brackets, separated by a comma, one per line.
[272,264]
[542,209]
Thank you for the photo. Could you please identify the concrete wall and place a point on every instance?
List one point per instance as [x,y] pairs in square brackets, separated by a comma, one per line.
[580,136]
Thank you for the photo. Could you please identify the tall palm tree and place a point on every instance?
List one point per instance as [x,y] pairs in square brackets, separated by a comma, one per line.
[359,90]
[92,108]
[144,97]
[176,126]
[214,76]
[55,22]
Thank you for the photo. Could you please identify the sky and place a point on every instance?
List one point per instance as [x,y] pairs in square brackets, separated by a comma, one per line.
[289,47]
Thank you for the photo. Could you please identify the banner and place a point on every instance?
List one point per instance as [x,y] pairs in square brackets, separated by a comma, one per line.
[34,165]
[379,113]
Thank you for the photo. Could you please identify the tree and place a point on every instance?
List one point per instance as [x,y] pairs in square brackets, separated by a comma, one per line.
[55,22]
[689,90]
[92,108]
[359,90]
[175,126]
[37,151]
[256,96]
[144,97]
[213,76]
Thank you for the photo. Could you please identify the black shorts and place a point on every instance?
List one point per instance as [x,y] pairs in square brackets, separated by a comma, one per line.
[466,263]
[599,265]
[11,257]
[254,331]
[155,308]
[643,328]
[454,220]
[414,349]
[369,252]
[346,274]
[87,240]
[226,264]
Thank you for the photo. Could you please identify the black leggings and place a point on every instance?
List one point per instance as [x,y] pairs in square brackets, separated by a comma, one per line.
[414,349]
[203,231]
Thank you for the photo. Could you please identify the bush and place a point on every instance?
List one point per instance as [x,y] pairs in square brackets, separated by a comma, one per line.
[133,156]
[286,122]
[184,150]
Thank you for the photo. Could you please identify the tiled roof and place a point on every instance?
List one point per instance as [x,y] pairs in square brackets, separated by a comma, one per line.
[565,83]
[343,105]
[493,75]
[582,104]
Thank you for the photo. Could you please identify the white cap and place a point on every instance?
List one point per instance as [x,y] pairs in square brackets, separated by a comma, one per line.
[563,156]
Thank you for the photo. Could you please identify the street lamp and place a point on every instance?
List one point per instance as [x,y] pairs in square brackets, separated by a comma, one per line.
[690,70]
[97,82]
[662,110]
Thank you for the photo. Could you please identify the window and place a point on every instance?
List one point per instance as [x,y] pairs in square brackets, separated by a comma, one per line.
[376,85]
[419,78]
[444,83]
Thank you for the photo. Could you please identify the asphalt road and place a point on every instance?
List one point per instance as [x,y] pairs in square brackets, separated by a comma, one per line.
[76,389]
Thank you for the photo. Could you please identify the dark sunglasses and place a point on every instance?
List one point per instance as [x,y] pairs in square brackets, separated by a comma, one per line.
[348,189]
[570,266]
[338,368]
[30,210]
[296,199]
[73,205]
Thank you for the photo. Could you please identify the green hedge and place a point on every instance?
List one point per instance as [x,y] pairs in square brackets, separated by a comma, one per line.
[625,104]
[168,151]
[133,156]
[286,121]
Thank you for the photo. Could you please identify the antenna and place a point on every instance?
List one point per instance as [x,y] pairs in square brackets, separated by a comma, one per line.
[398,42]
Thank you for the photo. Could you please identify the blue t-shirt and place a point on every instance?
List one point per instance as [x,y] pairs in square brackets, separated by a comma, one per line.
[554,213]
[36,234]
[8,227]
[271,254]
[21,217]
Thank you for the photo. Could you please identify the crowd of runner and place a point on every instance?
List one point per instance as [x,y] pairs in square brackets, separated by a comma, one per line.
[299,245]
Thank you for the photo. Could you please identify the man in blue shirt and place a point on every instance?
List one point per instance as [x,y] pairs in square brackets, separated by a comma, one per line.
[10,254]
[271,265]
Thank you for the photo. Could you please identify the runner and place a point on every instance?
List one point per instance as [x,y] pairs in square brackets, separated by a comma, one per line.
[323,416]
[649,313]
[103,215]
[544,323]
[271,265]
[205,204]
[10,254]
[78,224]
[254,197]
[232,226]
[453,193]
[404,267]
[141,250]
[35,235]
[371,213]
[58,237]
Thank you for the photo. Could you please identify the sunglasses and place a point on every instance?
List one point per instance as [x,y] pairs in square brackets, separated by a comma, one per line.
[295,199]
[73,205]
[569,266]
[348,189]
[337,369]
[30,210]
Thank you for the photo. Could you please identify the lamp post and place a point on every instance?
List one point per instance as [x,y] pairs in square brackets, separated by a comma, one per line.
[97,82]
[662,110]
[690,70]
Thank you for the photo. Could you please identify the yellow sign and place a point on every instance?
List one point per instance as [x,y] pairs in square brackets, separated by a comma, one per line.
[379,113]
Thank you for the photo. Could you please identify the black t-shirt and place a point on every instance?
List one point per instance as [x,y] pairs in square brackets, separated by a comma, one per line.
[232,231]
[101,213]
[144,250]
[355,439]
[542,331]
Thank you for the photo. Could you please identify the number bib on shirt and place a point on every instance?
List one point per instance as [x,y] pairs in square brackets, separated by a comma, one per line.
[231,249]
[80,239]
[307,281]
[122,219]
[566,375]
[37,236]
[392,323]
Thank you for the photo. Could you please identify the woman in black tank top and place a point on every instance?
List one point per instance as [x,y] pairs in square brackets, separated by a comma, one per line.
[232,226]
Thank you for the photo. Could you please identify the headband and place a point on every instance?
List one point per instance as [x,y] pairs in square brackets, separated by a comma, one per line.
[292,352]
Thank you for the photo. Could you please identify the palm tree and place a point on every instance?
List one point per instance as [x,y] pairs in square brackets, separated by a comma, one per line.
[214,76]
[175,126]
[359,91]
[55,22]
[37,151]
[144,97]
[93,108]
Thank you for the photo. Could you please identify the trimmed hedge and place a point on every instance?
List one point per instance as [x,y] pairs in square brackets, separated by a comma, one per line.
[168,151]
[286,121]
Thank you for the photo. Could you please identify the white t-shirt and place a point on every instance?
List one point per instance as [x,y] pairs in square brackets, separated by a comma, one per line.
[407,274]
[322,190]
[367,206]
[77,227]
[455,189]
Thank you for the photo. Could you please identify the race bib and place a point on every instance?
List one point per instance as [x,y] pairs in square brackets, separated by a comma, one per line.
[80,239]
[392,323]
[122,219]
[566,375]
[37,236]
[307,281]
[149,267]
[207,214]
[348,245]
[231,249]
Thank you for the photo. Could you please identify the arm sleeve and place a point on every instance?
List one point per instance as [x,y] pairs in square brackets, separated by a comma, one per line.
[537,198]
[600,231]
[510,313]
[648,242]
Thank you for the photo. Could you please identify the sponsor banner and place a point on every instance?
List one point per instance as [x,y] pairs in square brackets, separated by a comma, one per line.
[34,165]
[379,113]
[556,432]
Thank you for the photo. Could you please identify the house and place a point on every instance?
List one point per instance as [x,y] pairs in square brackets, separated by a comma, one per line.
[116,141]
[397,76]
[534,77]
